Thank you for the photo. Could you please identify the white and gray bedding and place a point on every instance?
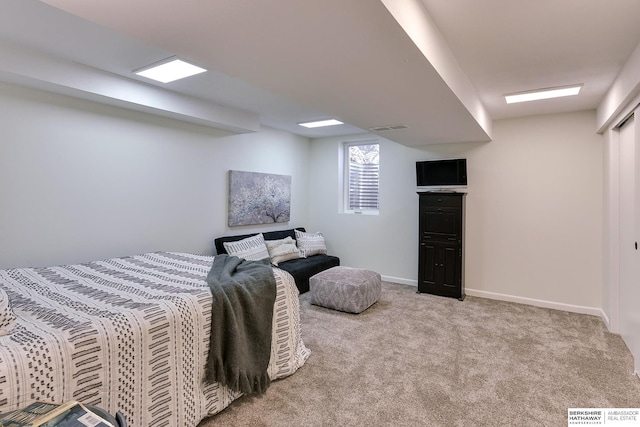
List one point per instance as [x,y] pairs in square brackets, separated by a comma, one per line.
[127,334]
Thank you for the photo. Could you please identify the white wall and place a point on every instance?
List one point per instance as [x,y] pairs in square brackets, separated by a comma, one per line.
[534,211]
[81,181]
[386,242]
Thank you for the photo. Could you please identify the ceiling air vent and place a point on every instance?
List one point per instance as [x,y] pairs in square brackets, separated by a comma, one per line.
[385,128]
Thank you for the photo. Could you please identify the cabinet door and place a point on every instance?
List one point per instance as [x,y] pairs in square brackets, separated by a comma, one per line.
[427,263]
[450,266]
[439,221]
[439,268]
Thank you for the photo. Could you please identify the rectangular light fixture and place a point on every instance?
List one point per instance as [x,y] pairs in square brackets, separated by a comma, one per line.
[169,70]
[321,123]
[534,95]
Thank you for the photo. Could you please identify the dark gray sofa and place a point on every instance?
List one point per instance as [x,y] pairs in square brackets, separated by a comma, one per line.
[301,269]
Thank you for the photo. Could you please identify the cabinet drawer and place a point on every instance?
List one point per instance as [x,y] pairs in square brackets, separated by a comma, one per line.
[441,200]
[428,236]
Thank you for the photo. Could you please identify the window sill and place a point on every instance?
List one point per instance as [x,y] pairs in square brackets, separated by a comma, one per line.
[367,212]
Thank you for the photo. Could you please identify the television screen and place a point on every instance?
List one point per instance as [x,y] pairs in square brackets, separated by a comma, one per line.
[441,173]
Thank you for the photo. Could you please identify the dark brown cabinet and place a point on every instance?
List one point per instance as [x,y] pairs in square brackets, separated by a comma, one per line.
[441,239]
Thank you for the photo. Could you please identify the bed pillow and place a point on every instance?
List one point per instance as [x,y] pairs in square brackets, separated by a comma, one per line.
[282,250]
[252,248]
[7,318]
[310,244]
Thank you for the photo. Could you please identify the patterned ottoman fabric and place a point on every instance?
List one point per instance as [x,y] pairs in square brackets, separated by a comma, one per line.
[345,289]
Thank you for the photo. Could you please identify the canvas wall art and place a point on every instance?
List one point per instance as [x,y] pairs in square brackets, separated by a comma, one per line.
[258,198]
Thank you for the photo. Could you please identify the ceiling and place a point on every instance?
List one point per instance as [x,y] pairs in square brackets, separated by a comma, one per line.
[439,68]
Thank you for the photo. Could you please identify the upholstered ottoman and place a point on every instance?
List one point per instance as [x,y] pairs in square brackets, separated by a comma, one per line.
[345,289]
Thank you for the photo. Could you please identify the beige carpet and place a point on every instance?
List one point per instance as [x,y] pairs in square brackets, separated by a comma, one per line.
[423,360]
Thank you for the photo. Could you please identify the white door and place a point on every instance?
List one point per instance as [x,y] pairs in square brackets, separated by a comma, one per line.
[629,239]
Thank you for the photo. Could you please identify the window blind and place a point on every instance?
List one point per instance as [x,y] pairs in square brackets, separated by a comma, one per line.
[363,177]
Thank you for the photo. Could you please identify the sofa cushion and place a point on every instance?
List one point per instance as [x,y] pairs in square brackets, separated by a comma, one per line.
[303,268]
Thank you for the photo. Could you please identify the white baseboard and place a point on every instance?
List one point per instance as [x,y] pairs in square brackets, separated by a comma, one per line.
[400,281]
[594,311]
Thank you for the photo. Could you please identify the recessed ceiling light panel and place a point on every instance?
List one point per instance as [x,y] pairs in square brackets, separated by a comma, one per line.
[321,123]
[169,70]
[535,95]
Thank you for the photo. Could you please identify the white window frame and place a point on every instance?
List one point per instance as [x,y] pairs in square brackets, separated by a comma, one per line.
[345,177]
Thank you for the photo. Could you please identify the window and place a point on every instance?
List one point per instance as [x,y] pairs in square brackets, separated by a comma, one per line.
[361,179]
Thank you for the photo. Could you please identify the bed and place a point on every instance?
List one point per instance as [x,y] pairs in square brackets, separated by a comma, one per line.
[127,334]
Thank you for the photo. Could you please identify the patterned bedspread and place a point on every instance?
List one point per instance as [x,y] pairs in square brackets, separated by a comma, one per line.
[127,334]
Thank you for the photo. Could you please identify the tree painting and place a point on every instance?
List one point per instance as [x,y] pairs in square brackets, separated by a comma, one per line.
[258,198]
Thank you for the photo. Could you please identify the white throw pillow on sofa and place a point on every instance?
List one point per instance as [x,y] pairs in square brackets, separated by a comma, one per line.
[310,244]
[282,250]
[252,248]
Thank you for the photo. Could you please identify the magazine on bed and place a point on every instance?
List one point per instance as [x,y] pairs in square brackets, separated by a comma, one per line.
[48,414]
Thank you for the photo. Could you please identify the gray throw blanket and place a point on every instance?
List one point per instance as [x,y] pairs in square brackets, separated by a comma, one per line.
[244,293]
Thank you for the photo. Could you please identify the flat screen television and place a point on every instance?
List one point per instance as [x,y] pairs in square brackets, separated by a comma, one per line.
[441,173]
